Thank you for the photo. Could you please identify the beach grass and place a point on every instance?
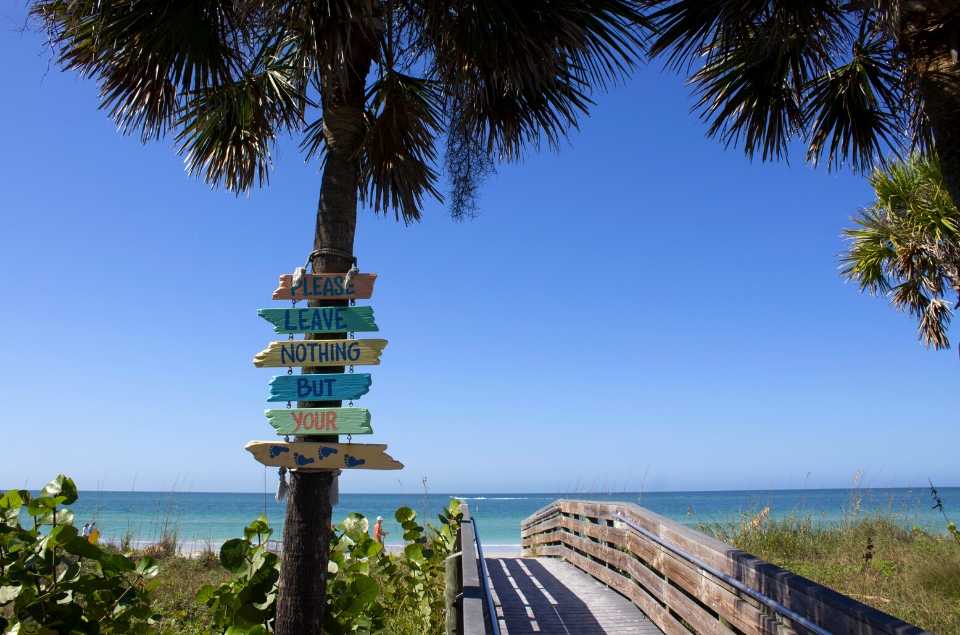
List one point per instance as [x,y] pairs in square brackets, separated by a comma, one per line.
[910,573]
[174,596]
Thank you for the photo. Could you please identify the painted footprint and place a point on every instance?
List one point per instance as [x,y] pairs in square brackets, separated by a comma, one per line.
[277,450]
[301,460]
[352,461]
[325,452]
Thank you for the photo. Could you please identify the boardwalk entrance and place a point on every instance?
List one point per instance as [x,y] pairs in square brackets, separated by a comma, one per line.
[592,568]
[547,595]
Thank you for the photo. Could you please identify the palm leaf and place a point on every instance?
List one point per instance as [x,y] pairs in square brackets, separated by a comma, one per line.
[851,108]
[907,245]
[398,155]
[226,130]
[144,53]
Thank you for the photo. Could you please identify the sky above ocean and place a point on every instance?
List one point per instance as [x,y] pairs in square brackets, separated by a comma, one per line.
[642,310]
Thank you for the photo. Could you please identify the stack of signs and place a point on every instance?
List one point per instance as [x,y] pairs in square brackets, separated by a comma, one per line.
[306,422]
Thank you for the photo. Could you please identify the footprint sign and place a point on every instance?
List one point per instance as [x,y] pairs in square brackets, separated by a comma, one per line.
[306,455]
[352,461]
[302,460]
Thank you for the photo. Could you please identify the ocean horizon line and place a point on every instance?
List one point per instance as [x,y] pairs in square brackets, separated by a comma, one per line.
[483,495]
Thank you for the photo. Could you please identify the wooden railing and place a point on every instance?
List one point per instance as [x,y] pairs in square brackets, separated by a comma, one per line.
[470,608]
[687,582]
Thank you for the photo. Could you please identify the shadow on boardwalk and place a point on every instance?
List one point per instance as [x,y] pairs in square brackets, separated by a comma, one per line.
[550,596]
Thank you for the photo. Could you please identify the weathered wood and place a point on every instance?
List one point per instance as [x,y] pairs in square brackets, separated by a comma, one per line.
[320,353]
[632,562]
[327,319]
[319,387]
[471,603]
[303,455]
[312,421]
[647,603]
[328,286]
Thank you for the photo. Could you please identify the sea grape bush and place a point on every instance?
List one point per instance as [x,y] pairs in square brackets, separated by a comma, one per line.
[52,580]
[368,591]
[246,604]
[372,591]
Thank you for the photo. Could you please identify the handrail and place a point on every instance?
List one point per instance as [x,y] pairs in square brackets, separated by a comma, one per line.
[485,583]
[477,615]
[756,595]
[686,581]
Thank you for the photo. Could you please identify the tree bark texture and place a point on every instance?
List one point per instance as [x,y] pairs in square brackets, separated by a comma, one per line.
[930,37]
[307,530]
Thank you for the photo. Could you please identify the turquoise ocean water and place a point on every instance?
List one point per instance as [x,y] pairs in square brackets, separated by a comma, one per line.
[202,518]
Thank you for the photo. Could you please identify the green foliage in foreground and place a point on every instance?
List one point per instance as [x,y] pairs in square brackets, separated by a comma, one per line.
[52,580]
[911,574]
[368,591]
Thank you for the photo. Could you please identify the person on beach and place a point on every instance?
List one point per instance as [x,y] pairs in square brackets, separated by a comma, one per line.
[85,532]
[378,532]
[94,534]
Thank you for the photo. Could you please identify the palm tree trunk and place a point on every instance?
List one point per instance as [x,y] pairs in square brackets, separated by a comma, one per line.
[941,99]
[933,50]
[307,530]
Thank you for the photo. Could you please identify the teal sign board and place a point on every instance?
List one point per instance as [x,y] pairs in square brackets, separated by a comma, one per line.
[326,319]
[319,387]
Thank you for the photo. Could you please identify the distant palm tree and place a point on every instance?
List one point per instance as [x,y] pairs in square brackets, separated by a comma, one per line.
[373,86]
[907,245]
[849,78]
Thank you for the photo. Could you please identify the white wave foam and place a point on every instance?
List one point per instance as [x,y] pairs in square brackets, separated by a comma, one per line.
[492,498]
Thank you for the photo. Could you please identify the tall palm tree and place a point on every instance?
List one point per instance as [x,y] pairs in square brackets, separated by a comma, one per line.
[907,245]
[848,78]
[371,86]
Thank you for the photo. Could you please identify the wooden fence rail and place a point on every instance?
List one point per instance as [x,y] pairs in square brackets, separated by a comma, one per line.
[469,607]
[687,582]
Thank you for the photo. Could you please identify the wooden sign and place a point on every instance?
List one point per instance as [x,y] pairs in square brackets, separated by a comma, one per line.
[302,455]
[319,387]
[306,421]
[327,319]
[320,353]
[325,285]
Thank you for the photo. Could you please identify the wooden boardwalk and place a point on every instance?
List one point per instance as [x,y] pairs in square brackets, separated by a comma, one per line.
[548,595]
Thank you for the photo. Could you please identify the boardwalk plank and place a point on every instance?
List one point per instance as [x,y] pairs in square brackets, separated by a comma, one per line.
[550,596]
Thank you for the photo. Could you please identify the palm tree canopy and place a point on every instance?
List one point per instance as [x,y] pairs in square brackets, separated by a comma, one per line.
[907,245]
[226,77]
[845,77]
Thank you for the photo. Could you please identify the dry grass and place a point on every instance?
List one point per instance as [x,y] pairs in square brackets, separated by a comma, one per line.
[912,574]
[174,596]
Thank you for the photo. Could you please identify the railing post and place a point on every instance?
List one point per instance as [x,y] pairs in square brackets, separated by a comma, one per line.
[684,580]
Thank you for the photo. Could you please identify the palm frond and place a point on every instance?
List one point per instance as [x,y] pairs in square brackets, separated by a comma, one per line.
[145,54]
[907,244]
[756,60]
[226,130]
[519,72]
[852,108]
[745,94]
[398,156]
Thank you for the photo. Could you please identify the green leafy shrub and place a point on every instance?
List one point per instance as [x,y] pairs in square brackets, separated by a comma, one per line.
[245,605]
[52,580]
[368,589]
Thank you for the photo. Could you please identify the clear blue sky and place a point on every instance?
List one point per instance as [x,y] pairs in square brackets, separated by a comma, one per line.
[640,310]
